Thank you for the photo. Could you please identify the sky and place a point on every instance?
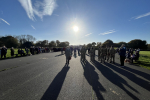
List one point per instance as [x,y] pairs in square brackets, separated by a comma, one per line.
[77,21]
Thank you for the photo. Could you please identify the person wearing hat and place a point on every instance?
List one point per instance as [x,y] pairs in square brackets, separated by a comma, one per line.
[68,55]
[122,53]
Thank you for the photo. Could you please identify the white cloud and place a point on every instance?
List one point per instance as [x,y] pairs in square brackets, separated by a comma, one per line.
[39,8]
[4,21]
[140,16]
[88,34]
[108,32]
[56,14]
[33,27]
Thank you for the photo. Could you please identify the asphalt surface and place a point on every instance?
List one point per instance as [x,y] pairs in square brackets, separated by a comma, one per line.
[46,77]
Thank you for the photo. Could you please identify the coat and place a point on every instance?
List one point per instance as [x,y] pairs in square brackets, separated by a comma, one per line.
[67,53]
[4,51]
[122,51]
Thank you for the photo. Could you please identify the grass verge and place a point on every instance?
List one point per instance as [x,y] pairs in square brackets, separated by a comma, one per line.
[144,59]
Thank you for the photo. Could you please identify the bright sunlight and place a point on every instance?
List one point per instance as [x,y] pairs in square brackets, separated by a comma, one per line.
[75,28]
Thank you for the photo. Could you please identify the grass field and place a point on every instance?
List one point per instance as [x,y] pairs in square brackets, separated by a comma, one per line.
[144,59]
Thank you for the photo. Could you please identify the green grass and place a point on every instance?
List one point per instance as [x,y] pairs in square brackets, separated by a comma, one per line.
[144,59]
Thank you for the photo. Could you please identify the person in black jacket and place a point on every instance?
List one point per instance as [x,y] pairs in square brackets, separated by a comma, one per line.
[122,53]
[31,49]
[3,52]
[12,52]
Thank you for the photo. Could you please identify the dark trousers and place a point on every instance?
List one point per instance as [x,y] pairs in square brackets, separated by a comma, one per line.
[122,58]
[67,60]
[3,55]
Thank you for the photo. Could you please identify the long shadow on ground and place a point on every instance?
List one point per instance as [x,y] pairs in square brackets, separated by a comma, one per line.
[129,74]
[59,55]
[114,78]
[92,78]
[54,89]
[140,73]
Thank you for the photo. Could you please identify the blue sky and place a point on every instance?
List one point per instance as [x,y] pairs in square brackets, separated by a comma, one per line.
[97,20]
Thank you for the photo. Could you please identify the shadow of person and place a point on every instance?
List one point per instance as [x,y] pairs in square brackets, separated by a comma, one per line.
[141,82]
[88,54]
[53,90]
[114,78]
[140,73]
[59,55]
[79,54]
[92,78]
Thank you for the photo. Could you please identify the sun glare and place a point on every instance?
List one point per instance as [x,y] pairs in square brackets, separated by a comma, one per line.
[75,28]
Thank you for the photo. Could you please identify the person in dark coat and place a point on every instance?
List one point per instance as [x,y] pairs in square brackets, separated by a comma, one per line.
[122,53]
[31,49]
[3,52]
[67,54]
[135,57]
[12,52]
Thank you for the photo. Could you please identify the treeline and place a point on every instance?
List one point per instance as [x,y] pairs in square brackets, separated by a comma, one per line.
[136,43]
[23,41]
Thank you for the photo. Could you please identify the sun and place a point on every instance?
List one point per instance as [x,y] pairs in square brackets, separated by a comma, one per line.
[75,28]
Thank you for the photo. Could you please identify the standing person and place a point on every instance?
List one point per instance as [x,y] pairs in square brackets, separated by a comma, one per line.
[75,51]
[31,49]
[102,54]
[108,54]
[105,52]
[89,50]
[138,50]
[4,52]
[61,50]
[0,51]
[99,53]
[12,52]
[68,55]
[92,54]
[122,53]
[27,51]
[83,52]
[78,50]
[112,52]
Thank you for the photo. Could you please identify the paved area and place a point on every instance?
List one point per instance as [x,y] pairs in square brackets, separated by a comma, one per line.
[46,77]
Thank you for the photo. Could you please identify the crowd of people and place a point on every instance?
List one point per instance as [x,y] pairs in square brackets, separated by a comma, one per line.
[33,50]
[105,54]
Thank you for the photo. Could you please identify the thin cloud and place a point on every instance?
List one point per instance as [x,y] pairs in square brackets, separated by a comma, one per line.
[140,16]
[4,21]
[108,32]
[33,27]
[88,34]
[39,8]
[55,14]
